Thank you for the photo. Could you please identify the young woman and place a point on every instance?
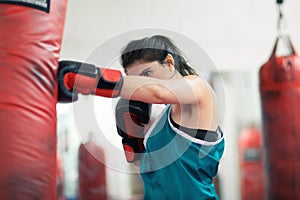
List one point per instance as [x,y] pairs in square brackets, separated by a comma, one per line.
[183,147]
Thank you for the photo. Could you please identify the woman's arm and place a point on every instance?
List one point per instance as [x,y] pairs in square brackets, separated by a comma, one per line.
[184,90]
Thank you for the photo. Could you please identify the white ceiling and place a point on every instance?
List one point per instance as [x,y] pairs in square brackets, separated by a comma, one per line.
[236,34]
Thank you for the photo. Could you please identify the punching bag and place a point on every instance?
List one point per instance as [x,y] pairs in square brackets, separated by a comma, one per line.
[59,179]
[251,167]
[30,42]
[91,170]
[280,95]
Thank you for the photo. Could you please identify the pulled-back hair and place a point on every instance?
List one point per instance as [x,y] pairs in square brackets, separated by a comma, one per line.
[155,48]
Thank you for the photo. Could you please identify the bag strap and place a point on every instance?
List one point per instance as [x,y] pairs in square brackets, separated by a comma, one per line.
[287,43]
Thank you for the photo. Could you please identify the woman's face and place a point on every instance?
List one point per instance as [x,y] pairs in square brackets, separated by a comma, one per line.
[151,69]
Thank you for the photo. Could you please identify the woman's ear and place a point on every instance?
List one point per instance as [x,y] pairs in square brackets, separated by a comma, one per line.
[169,60]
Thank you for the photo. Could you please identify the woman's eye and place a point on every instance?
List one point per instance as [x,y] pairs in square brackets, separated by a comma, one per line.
[147,73]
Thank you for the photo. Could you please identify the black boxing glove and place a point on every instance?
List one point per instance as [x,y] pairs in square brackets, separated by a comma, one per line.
[131,117]
[76,77]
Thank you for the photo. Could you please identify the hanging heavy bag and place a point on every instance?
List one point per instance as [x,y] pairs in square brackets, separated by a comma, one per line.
[251,167]
[91,172]
[280,103]
[30,43]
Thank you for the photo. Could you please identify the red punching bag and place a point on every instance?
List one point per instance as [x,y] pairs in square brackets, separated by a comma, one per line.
[280,95]
[59,179]
[30,42]
[251,167]
[92,178]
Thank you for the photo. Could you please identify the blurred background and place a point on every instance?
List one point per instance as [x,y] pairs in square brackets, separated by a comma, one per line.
[238,37]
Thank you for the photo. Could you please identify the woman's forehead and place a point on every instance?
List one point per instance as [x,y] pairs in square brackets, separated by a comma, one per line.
[139,66]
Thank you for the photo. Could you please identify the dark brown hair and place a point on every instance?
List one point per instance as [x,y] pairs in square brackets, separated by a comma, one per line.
[155,48]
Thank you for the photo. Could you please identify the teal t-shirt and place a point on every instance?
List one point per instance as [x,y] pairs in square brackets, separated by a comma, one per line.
[178,166]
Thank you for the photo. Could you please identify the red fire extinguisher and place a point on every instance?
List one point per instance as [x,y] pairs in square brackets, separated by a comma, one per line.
[92,178]
[280,103]
[251,167]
